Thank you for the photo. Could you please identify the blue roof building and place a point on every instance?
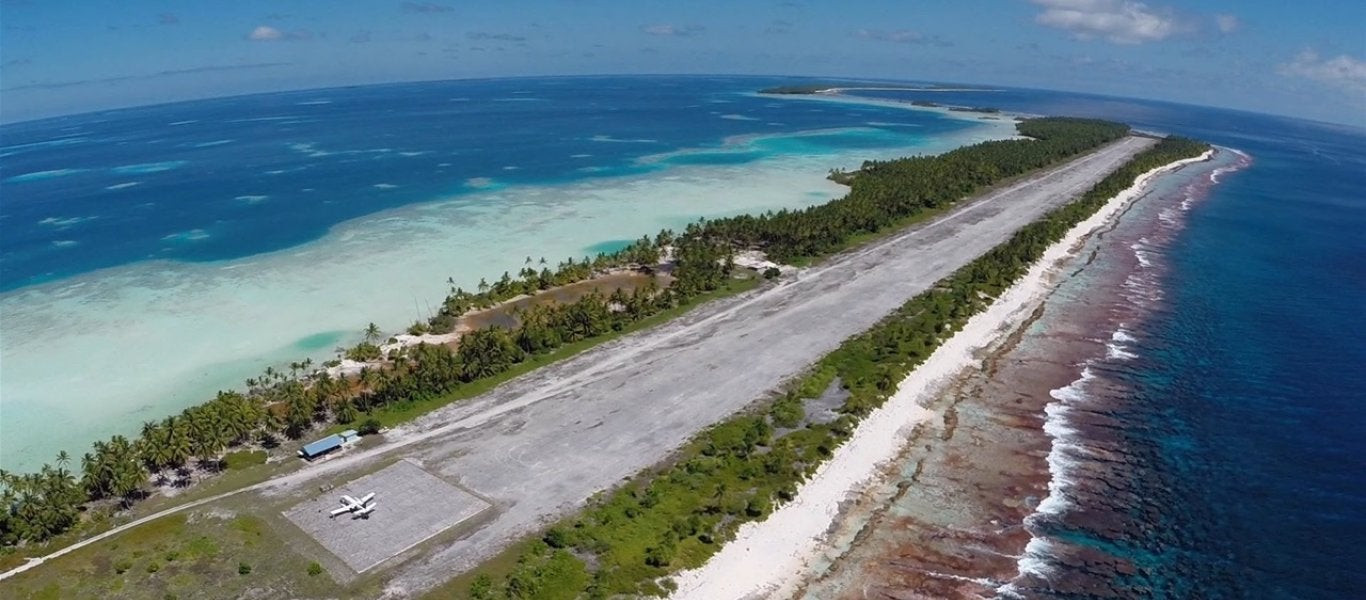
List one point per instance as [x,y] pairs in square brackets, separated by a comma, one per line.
[332,442]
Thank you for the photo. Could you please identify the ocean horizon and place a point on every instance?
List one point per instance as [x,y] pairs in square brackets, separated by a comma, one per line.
[154,255]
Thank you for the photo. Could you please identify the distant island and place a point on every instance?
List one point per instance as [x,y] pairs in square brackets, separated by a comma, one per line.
[976,109]
[832,88]
[816,88]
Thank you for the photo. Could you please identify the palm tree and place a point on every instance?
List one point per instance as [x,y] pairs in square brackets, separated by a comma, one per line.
[125,474]
[371,333]
[88,468]
[346,412]
[63,460]
[177,442]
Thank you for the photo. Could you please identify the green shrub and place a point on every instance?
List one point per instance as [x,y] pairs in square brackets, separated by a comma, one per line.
[482,587]
[243,568]
[314,569]
[123,565]
[371,426]
[557,537]
[788,411]
[364,351]
[153,567]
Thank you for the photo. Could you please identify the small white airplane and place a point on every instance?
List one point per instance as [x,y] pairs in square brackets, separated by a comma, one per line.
[357,507]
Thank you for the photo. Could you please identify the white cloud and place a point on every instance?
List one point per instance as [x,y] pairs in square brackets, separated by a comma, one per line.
[1227,23]
[1341,71]
[1116,21]
[673,30]
[265,33]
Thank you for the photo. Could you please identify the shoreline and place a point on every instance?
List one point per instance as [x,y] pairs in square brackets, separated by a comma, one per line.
[1070,171]
[168,293]
[771,557]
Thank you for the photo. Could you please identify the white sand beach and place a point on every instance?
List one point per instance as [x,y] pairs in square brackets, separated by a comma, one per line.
[771,558]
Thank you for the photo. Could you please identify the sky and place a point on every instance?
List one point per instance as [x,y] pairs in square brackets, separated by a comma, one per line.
[1305,59]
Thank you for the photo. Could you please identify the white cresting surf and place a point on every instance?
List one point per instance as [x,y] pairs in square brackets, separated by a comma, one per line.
[770,558]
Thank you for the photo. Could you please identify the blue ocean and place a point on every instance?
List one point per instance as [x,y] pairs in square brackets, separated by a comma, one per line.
[1242,408]
[192,239]
[234,177]
[152,256]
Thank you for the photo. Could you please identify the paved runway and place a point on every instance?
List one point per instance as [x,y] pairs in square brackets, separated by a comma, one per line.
[542,444]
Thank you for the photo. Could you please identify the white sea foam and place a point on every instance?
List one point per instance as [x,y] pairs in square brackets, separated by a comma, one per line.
[1036,561]
[265,119]
[1116,349]
[1172,215]
[608,138]
[65,243]
[384,186]
[39,175]
[213,143]
[1073,392]
[312,103]
[1141,253]
[65,222]
[252,199]
[193,235]
[769,558]
[120,186]
[1141,290]
[309,149]
[1215,175]
[738,117]
[156,167]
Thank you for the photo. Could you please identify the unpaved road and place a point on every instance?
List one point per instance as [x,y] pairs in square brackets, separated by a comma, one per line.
[542,444]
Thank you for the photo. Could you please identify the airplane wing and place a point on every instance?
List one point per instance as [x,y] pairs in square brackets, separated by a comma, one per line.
[366,511]
[349,501]
[339,511]
[368,497]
